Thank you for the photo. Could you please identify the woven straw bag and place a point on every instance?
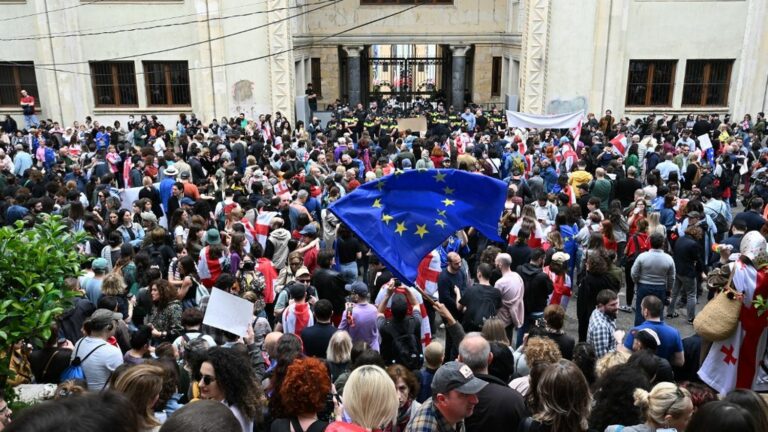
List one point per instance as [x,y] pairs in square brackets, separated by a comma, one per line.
[719,318]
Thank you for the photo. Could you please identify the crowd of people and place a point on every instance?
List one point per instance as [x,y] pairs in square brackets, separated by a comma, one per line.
[643,210]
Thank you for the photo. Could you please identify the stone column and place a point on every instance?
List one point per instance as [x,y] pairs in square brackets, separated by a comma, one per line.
[353,74]
[458,75]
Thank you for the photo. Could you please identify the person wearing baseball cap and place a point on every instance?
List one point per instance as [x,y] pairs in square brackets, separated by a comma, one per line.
[98,357]
[360,317]
[454,396]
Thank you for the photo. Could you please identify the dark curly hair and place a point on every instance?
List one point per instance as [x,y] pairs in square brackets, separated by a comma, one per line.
[166,292]
[614,400]
[237,380]
[305,387]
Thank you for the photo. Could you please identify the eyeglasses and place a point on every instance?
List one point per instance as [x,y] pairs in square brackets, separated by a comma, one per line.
[207,379]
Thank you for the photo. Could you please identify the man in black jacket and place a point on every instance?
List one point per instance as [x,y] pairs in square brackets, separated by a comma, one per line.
[499,407]
[317,337]
[329,284]
[538,287]
[688,256]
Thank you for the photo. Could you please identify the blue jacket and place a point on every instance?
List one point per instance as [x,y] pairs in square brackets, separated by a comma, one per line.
[550,178]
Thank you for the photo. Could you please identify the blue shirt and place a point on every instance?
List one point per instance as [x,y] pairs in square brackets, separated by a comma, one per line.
[21,162]
[470,119]
[669,336]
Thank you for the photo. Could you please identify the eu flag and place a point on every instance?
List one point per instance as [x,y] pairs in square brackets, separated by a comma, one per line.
[405,215]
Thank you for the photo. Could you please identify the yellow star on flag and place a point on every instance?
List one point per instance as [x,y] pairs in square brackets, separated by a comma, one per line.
[380,185]
[421,230]
[441,213]
[377,203]
[439,177]
[448,191]
[440,223]
[398,172]
[448,202]
[400,229]
[386,218]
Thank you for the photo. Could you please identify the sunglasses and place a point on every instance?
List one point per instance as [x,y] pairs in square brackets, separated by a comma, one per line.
[207,379]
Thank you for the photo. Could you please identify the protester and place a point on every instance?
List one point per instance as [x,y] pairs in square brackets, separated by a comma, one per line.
[261,195]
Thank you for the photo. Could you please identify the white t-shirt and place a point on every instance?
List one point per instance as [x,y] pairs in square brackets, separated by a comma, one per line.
[100,364]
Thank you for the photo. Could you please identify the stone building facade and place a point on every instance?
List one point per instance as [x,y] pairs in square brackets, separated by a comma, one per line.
[112,58]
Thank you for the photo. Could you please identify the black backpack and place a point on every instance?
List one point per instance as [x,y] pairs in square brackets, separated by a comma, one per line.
[485,310]
[405,346]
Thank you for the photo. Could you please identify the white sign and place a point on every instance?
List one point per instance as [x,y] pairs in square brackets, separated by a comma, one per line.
[704,142]
[228,312]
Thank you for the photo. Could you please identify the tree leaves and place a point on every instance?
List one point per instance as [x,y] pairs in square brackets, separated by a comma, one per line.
[34,263]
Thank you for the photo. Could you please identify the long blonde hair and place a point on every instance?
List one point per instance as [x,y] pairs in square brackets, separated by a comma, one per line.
[370,397]
[339,347]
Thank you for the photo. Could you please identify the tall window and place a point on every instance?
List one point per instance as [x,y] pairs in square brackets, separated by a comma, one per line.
[496,76]
[317,82]
[15,77]
[707,82]
[167,83]
[114,84]
[650,82]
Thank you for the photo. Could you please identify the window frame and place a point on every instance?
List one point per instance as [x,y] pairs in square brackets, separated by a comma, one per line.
[705,84]
[16,68]
[115,83]
[496,72]
[649,83]
[167,82]
[316,65]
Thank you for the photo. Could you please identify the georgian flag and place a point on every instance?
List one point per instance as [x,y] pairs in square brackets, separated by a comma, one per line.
[428,272]
[620,143]
[569,155]
[734,362]
[534,241]
[282,188]
[426,331]
[576,132]
[262,227]
[297,317]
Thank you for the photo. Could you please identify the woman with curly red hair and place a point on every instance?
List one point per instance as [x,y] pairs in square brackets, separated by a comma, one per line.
[304,393]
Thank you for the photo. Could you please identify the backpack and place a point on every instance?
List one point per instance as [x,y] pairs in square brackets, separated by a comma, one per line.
[485,310]
[185,341]
[405,346]
[75,370]
[518,163]
[156,259]
[721,223]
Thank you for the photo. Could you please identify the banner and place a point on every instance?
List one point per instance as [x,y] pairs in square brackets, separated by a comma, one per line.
[536,121]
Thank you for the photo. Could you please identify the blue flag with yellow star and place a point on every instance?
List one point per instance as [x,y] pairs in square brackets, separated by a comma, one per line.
[406,215]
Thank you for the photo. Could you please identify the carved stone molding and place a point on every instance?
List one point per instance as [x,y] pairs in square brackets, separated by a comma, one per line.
[534,56]
[353,50]
[459,50]
[281,64]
